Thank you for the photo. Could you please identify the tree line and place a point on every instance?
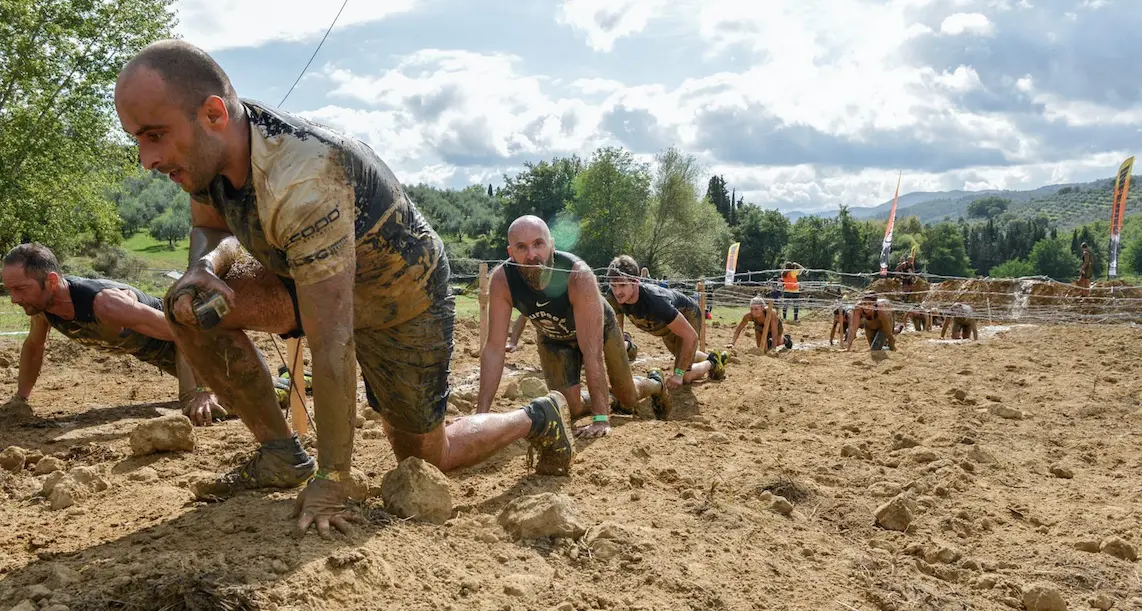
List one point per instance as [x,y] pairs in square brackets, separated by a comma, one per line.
[69,179]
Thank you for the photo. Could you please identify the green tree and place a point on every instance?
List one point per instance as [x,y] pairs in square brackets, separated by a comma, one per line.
[1131,258]
[812,242]
[850,250]
[172,225]
[1053,258]
[763,235]
[944,251]
[1014,268]
[59,156]
[543,189]
[719,196]
[611,201]
[988,207]
[669,233]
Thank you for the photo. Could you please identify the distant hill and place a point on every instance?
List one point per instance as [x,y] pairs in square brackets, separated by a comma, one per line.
[1067,205]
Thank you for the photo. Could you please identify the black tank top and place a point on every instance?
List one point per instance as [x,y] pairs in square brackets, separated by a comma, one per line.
[86,329]
[549,309]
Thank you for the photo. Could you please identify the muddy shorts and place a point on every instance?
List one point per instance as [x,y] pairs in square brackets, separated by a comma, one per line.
[878,340]
[961,329]
[673,342]
[769,342]
[562,361]
[161,355]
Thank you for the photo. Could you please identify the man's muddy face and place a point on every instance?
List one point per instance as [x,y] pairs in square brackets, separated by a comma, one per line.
[173,140]
[533,250]
[625,291]
[27,292]
[756,310]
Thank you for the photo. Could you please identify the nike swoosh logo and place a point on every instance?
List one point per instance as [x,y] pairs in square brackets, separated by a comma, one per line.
[540,305]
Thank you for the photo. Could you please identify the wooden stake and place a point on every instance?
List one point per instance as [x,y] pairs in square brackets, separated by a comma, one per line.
[484,284]
[989,310]
[702,316]
[297,414]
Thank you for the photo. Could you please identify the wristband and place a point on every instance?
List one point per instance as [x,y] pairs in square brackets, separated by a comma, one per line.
[600,418]
[678,371]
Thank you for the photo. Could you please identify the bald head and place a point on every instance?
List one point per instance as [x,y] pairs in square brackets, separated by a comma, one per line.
[189,75]
[528,224]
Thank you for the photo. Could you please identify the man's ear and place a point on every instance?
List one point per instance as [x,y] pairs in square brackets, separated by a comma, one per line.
[51,281]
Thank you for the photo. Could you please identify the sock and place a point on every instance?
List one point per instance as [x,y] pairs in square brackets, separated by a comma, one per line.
[538,416]
[290,445]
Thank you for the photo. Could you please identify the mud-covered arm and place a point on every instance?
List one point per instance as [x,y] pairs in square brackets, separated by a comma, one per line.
[517,329]
[833,330]
[587,303]
[32,356]
[741,326]
[854,323]
[886,324]
[944,328]
[212,245]
[120,309]
[682,328]
[323,266]
[492,356]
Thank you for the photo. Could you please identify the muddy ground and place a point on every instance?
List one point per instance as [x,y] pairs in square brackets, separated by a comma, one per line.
[1000,502]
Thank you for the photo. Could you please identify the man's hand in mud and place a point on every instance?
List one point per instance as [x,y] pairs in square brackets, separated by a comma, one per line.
[511,347]
[198,280]
[203,409]
[674,382]
[594,430]
[322,503]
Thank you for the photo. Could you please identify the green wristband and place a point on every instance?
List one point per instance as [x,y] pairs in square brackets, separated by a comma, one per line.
[678,371]
[600,418]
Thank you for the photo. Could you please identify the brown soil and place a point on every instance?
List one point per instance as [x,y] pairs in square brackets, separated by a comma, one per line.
[695,533]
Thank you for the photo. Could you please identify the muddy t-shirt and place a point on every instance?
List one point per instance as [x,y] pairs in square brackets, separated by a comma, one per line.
[317,203]
[88,330]
[655,308]
[549,309]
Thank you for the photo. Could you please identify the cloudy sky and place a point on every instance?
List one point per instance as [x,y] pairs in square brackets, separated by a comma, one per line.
[800,104]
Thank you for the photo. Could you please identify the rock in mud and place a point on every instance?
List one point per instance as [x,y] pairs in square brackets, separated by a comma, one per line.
[1062,472]
[1119,548]
[417,489]
[530,388]
[61,576]
[982,456]
[63,490]
[851,451]
[1003,411]
[1101,601]
[896,514]
[781,505]
[25,605]
[542,515]
[511,390]
[359,485]
[144,475]
[12,459]
[1043,597]
[522,584]
[48,465]
[172,433]
[1087,545]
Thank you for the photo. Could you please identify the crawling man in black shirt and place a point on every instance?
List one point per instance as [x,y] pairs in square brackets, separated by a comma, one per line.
[664,313]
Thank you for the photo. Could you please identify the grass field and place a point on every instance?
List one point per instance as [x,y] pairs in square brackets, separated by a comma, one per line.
[158,254]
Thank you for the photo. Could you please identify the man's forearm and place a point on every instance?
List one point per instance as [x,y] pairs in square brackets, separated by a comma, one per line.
[187,380]
[31,361]
[491,372]
[597,382]
[334,396]
[218,249]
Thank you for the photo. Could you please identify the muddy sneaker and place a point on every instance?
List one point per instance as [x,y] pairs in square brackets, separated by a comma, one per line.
[788,342]
[281,389]
[276,464]
[552,443]
[660,403]
[307,377]
[718,371]
[632,349]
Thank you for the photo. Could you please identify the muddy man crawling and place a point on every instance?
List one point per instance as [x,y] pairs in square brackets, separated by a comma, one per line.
[876,318]
[962,321]
[768,328]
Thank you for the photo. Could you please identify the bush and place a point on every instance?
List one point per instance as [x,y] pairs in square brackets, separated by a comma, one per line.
[1013,268]
[1053,258]
[114,262]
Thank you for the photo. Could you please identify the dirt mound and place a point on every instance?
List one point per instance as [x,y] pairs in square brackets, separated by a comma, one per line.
[676,512]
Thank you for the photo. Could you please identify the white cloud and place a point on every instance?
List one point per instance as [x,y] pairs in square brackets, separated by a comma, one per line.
[966,23]
[225,24]
[605,21]
[842,70]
